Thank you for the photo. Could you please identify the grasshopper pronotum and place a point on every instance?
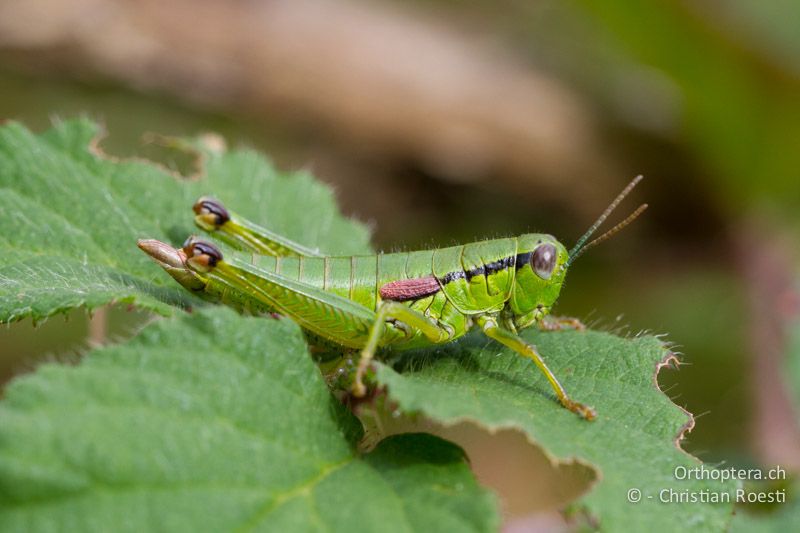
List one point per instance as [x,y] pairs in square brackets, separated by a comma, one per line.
[399,300]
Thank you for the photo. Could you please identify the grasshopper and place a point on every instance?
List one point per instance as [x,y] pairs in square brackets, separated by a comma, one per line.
[396,300]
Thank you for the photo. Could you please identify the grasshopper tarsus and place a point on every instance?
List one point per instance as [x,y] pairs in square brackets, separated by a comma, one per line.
[584,411]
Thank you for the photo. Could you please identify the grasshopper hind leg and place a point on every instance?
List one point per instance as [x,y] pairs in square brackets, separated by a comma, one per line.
[212,216]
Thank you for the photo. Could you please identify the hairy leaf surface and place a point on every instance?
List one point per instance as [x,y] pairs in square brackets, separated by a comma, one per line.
[632,444]
[215,422]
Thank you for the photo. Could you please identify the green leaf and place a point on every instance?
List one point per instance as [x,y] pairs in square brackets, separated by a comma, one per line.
[632,444]
[215,422]
[70,218]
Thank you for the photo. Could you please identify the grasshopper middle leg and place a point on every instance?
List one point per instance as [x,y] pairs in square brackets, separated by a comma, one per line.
[415,320]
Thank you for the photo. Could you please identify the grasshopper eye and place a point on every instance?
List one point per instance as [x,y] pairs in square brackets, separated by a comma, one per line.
[201,255]
[543,260]
[210,213]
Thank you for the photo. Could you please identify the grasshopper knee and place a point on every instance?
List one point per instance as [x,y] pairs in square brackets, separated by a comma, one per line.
[200,255]
[210,214]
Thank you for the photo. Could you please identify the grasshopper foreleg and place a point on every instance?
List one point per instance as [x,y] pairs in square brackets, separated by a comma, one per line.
[507,338]
[416,321]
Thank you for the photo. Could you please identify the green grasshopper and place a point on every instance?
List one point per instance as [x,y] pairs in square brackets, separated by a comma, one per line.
[398,300]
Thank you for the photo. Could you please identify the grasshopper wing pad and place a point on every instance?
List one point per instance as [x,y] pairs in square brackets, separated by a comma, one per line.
[410,289]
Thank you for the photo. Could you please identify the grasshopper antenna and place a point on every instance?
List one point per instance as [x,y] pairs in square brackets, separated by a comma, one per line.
[581,246]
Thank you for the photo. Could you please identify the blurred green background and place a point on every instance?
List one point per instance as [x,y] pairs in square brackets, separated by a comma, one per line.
[441,122]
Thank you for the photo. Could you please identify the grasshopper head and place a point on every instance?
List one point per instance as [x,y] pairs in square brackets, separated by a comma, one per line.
[541,267]
[538,283]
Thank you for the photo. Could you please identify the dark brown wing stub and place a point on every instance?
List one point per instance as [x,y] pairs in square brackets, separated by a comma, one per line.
[410,289]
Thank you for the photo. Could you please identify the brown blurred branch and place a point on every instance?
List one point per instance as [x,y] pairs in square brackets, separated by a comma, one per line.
[372,78]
